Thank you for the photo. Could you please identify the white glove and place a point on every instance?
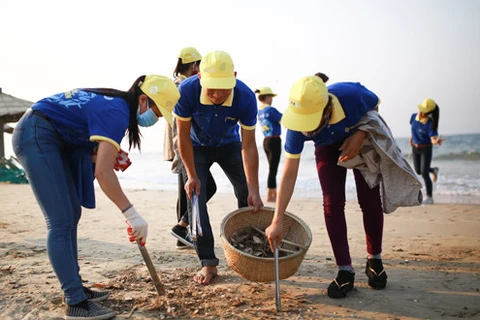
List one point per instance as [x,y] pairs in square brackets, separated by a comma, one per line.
[137,226]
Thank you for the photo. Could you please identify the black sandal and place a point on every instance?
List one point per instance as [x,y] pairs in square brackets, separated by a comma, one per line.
[343,284]
[377,277]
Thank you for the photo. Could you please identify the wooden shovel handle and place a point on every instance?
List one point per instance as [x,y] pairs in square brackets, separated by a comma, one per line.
[151,269]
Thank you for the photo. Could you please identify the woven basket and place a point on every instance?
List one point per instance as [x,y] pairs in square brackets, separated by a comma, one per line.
[261,269]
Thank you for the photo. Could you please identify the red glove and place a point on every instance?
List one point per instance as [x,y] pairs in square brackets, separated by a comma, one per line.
[131,237]
[123,162]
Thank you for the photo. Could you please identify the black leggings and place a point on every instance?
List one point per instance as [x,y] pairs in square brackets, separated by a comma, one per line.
[422,158]
[273,149]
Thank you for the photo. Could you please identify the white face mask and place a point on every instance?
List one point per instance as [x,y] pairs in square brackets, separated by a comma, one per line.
[148,118]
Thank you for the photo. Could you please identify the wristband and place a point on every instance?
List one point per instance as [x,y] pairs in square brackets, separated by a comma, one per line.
[127,208]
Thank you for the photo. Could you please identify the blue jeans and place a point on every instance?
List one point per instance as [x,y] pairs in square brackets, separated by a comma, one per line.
[43,154]
[229,158]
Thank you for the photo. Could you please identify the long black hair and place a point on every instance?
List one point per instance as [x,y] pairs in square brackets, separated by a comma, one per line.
[182,67]
[131,96]
[435,116]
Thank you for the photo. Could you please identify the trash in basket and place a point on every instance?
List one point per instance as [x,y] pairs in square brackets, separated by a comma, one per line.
[297,238]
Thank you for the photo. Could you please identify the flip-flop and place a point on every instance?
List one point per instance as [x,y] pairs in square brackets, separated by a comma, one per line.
[201,277]
[377,277]
[343,284]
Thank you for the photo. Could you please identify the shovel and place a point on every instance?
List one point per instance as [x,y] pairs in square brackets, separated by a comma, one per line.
[277,277]
[151,269]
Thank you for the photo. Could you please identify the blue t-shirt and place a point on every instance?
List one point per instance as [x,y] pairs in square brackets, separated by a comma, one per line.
[421,133]
[355,101]
[215,125]
[84,118]
[269,119]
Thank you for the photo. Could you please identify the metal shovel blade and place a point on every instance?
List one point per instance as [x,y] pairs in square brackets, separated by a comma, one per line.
[151,269]
[196,225]
[277,278]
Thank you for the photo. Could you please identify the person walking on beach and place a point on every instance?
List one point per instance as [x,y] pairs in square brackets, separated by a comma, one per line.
[328,118]
[187,65]
[208,115]
[269,118]
[424,126]
[66,141]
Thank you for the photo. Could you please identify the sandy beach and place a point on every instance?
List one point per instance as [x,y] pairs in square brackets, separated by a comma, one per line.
[431,255]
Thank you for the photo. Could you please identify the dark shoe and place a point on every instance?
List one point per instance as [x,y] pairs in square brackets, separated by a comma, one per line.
[182,234]
[341,285]
[377,277]
[95,296]
[88,310]
[181,246]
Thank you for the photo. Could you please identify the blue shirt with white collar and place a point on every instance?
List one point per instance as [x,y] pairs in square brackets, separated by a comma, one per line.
[355,100]
[215,125]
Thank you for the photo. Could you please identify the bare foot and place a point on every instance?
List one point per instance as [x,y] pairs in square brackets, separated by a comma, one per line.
[271,195]
[206,275]
[271,199]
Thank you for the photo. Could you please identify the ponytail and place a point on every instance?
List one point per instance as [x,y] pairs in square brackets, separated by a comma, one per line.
[131,97]
[435,115]
[322,76]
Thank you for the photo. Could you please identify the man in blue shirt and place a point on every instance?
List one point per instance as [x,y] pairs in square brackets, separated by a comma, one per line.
[212,108]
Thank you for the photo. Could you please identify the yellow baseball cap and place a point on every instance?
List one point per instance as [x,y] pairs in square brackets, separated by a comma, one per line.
[189,54]
[308,99]
[427,106]
[217,71]
[263,91]
[163,92]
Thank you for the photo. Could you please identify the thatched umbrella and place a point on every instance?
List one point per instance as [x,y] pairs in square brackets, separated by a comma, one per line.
[7,128]
[11,110]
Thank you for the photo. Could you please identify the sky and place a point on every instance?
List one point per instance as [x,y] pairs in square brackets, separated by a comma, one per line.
[403,50]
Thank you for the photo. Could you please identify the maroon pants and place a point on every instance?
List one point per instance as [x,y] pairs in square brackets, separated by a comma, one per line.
[332,180]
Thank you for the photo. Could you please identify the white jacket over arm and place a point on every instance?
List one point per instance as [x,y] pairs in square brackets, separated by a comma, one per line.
[381,162]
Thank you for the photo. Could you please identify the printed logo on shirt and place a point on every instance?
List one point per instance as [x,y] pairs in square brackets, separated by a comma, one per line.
[72,98]
[70,93]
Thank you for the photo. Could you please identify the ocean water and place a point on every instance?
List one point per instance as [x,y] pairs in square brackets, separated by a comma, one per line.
[458,160]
